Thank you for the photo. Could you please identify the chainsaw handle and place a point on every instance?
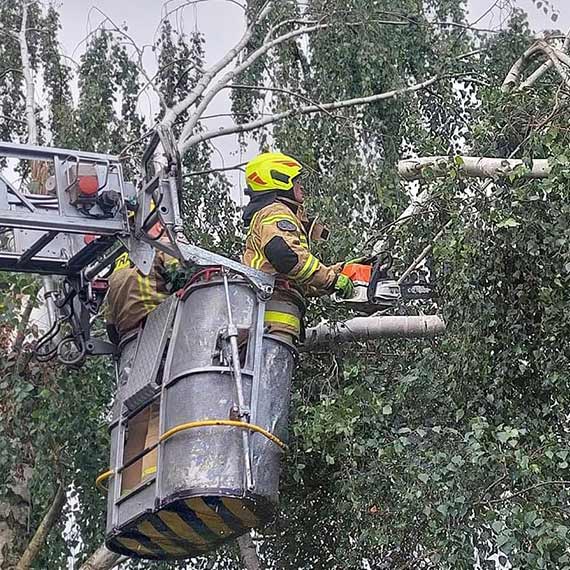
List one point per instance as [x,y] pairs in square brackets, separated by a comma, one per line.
[382,263]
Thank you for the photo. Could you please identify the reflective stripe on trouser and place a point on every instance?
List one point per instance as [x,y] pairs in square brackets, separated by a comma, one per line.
[281,316]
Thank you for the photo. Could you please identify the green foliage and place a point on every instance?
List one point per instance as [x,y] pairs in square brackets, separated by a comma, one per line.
[441,454]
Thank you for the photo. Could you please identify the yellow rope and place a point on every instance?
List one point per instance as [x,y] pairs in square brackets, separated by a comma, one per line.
[232,423]
[103,477]
[204,423]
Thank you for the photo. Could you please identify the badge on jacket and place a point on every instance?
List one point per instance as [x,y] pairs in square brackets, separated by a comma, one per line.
[286,226]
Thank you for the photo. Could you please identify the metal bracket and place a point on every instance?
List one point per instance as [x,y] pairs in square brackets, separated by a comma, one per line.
[96,346]
[141,254]
[263,282]
[18,195]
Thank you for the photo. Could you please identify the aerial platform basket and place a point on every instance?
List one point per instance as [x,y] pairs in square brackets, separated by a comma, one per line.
[220,387]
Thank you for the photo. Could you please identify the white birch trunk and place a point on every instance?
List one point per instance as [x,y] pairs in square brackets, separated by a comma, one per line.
[28,80]
[15,507]
[102,559]
[471,167]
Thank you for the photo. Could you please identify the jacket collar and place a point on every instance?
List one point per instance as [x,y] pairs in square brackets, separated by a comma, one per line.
[258,202]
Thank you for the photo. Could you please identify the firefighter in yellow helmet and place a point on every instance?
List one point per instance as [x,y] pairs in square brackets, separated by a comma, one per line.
[278,242]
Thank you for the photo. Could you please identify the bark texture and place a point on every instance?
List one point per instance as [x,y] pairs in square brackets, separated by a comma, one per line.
[247,552]
[369,328]
[470,167]
[14,510]
[102,559]
[39,538]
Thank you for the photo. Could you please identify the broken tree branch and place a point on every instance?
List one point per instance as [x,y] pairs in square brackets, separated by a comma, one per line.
[559,59]
[370,328]
[545,66]
[471,167]
[43,530]
[555,58]
[245,127]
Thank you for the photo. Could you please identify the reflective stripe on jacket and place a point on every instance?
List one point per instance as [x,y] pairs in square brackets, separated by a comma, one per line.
[282,315]
[277,243]
[131,295]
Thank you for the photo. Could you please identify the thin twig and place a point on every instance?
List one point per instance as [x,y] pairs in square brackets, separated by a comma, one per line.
[528,489]
[278,90]
[221,169]
[140,54]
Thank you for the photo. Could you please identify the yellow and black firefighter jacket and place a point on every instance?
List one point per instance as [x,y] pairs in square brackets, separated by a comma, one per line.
[131,296]
[277,243]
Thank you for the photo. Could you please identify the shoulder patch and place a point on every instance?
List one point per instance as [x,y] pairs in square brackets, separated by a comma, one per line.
[286,226]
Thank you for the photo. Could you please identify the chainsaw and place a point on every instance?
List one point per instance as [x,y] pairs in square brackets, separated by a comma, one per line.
[375,289]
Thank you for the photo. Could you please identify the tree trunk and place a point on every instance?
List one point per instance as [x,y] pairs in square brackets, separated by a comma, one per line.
[247,552]
[369,328]
[37,542]
[14,514]
[15,506]
[470,167]
[101,559]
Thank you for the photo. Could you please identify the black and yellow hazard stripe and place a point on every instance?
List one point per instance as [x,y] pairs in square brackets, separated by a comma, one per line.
[156,531]
[183,529]
[240,509]
[187,513]
[138,544]
[238,519]
[187,528]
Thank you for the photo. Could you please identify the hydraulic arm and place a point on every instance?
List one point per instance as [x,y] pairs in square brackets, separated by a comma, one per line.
[80,224]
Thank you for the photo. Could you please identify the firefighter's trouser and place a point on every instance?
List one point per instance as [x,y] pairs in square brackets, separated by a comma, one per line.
[283,318]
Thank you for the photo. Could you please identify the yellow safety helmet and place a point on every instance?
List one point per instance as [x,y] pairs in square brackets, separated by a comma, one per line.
[271,171]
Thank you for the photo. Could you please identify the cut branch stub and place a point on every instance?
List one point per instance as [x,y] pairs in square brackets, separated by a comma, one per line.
[471,167]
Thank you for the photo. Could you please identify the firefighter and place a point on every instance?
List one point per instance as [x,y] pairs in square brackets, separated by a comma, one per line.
[131,297]
[278,239]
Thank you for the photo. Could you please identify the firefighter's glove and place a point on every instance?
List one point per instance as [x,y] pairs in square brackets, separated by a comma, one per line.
[344,287]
